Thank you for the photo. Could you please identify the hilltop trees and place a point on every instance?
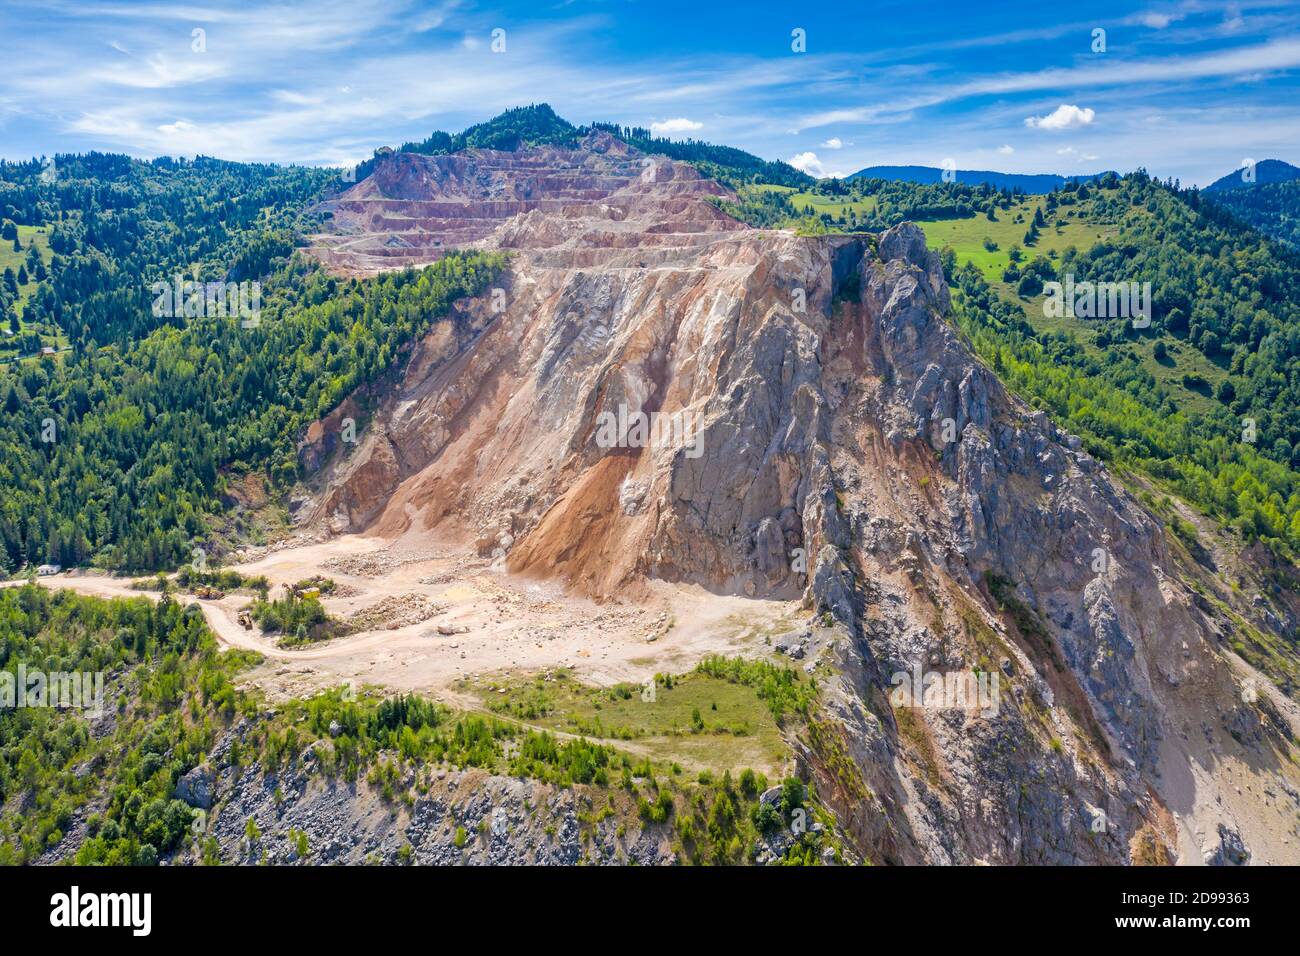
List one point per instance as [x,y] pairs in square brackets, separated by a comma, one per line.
[147,433]
[1246,477]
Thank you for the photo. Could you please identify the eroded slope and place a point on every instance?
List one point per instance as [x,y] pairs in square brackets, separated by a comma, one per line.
[836,441]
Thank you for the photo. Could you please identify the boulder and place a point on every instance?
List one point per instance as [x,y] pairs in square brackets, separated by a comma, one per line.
[1231,850]
[196,787]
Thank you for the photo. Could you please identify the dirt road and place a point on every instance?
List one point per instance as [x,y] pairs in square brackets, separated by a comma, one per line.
[504,623]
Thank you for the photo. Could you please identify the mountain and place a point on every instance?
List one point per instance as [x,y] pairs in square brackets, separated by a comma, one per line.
[840,447]
[1025,182]
[416,207]
[540,125]
[1266,171]
[1271,204]
[1273,209]
[624,530]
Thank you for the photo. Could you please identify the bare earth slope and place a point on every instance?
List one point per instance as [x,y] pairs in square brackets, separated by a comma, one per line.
[836,443]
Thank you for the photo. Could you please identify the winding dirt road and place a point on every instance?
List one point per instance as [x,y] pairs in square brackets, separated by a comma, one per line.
[502,623]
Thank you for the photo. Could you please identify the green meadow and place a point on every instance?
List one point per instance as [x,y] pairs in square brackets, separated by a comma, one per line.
[695,719]
[966,237]
[11,259]
[988,245]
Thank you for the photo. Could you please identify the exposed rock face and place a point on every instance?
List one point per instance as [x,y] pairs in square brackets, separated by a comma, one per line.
[1229,851]
[816,429]
[195,787]
[414,208]
[464,817]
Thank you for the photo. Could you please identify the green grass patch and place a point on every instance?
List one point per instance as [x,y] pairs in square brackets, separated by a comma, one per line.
[698,718]
[966,237]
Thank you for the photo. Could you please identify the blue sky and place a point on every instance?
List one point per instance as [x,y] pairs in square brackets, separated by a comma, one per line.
[1186,89]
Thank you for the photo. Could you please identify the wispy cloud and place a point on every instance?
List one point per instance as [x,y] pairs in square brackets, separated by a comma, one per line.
[329,81]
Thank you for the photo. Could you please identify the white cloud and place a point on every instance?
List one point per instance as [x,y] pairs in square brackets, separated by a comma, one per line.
[1281,54]
[1065,151]
[162,72]
[431,19]
[808,163]
[674,127]
[294,98]
[1157,19]
[833,143]
[1064,116]
[1006,149]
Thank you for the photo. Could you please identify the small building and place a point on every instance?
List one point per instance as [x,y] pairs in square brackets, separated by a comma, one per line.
[47,350]
[47,569]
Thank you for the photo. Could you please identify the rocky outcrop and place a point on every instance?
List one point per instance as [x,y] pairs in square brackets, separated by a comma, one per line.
[195,787]
[1230,849]
[657,391]
[302,815]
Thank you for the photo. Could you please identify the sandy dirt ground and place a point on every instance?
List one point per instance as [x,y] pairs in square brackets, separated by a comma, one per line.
[503,624]
[1207,785]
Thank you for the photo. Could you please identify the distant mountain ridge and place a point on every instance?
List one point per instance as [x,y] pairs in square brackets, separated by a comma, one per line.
[1270,205]
[1267,171]
[1026,182]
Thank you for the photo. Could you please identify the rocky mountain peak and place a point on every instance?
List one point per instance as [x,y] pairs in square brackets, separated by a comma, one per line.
[659,392]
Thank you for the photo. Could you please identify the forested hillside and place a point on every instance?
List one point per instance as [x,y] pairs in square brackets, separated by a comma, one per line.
[117,451]
[167,692]
[1224,298]
[115,225]
[1272,208]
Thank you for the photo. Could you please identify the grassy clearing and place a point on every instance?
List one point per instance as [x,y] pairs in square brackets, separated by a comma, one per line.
[9,259]
[835,205]
[719,720]
[966,237]
[1183,370]
[11,344]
